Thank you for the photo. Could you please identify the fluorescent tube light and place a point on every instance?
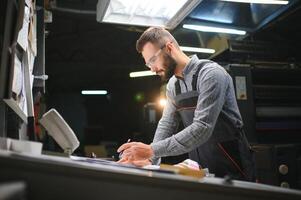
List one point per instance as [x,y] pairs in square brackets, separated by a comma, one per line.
[198,50]
[142,73]
[165,13]
[94,92]
[213,29]
[279,2]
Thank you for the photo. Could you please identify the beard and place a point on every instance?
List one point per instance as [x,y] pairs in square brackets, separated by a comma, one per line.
[170,64]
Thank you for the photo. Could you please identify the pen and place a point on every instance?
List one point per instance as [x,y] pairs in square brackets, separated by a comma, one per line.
[120,154]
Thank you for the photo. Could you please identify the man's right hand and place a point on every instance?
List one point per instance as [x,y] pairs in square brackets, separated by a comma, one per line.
[136,151]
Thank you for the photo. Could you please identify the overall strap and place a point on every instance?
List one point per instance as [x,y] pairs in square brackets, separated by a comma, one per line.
[196,74]
[194,78]
[177,87]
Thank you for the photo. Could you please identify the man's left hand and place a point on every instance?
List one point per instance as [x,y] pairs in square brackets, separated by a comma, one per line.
[138,163]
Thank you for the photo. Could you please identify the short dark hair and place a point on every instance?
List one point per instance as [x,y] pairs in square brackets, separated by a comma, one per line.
[155,35]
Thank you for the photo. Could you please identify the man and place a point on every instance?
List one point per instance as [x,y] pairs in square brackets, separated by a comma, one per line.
[201,94]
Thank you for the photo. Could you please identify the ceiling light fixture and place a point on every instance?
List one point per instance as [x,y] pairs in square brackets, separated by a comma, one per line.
[94,92]
[214,29]
[165,13]
[278,2]
[198,50]
[142,73]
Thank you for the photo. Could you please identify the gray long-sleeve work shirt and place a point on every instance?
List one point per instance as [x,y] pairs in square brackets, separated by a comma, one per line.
[216,94]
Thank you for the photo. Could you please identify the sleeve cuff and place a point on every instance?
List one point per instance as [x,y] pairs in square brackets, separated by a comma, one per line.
[156,159]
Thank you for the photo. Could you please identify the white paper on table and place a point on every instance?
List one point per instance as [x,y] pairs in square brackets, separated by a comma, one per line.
[23,33]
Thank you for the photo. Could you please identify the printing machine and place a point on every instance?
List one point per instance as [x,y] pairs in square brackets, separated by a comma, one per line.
[269,99]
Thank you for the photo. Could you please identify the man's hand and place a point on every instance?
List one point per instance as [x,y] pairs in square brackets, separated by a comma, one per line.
[135,151]
[138,163]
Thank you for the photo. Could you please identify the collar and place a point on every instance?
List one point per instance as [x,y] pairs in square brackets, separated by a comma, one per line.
[190,65]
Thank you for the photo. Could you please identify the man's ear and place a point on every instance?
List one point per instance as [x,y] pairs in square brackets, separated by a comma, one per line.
[169,47]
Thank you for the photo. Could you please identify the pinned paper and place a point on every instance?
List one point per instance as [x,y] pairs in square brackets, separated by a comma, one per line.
[23,33]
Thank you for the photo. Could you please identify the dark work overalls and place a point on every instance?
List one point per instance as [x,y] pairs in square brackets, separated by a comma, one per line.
[227,151]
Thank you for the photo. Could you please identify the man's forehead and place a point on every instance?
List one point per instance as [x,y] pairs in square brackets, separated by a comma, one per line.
[150,47]
[149,50]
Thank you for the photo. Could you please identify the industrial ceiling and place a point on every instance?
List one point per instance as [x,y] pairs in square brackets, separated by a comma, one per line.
[82,53]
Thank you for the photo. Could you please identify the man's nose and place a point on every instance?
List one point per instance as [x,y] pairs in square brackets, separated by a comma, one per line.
[153,68]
